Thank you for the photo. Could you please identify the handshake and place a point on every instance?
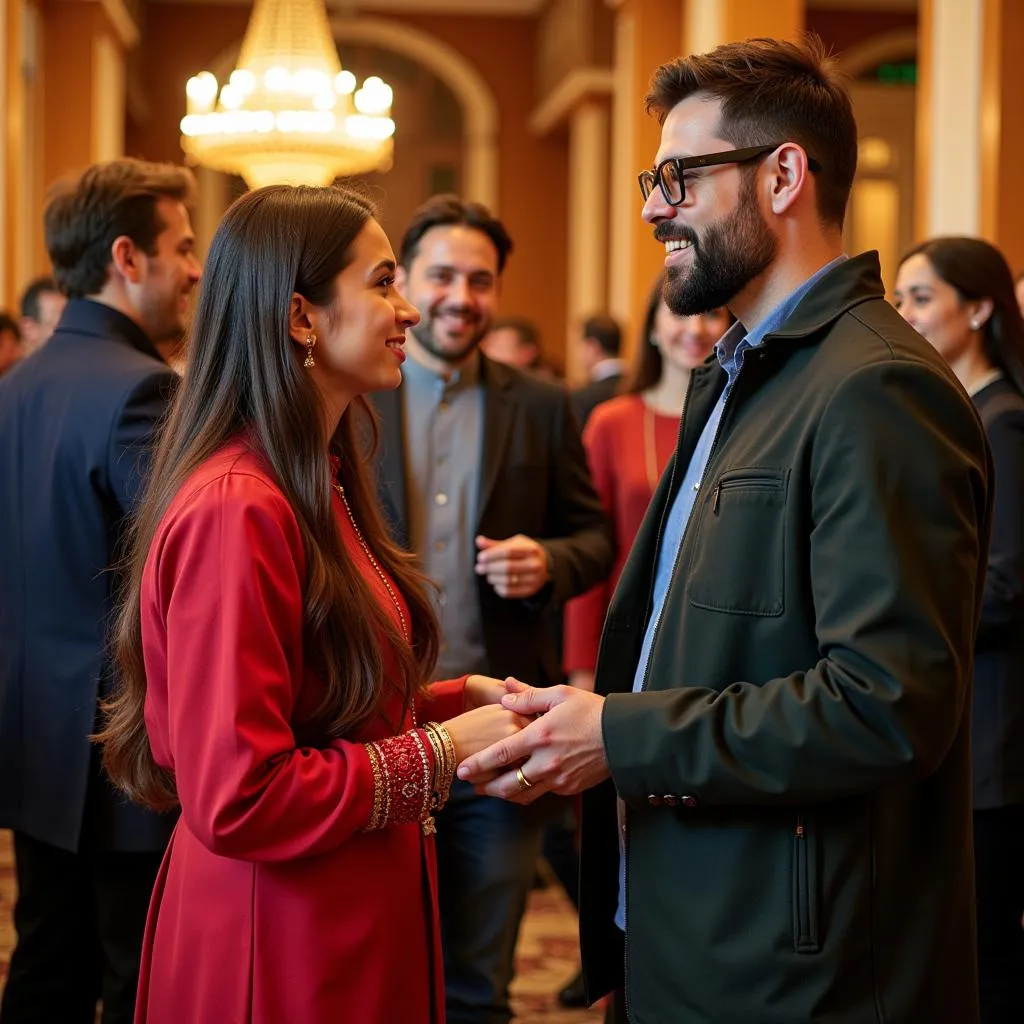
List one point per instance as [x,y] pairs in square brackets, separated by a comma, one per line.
[518,742]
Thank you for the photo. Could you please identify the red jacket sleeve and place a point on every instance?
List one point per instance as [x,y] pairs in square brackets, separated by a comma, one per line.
[229,574]
[442,701]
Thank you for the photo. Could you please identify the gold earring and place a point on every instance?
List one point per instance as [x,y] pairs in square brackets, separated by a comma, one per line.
[309,361]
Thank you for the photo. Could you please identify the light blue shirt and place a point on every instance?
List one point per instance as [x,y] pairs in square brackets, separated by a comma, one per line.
[730,350]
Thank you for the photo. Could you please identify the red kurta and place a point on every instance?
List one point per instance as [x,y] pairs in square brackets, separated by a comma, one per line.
[273,906]
[618,445]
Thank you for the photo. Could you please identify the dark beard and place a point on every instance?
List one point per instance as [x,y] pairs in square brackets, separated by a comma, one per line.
[731,253]
[423,332]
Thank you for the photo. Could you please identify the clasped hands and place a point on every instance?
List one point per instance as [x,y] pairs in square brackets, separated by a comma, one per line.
[558,747]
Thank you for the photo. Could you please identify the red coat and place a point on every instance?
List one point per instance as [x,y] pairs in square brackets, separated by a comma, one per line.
[272,906]
[618,440]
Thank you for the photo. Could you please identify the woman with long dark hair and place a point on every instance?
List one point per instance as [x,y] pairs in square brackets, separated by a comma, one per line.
[273,644]
[958,293]
[629,440]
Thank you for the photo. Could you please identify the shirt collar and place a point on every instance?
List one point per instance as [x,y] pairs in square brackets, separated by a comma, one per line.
[606,368]
[738,339]
[462,379]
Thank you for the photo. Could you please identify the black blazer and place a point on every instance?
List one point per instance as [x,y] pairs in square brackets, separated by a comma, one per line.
[997,733]
[587,398]
[75,420]
[533,480]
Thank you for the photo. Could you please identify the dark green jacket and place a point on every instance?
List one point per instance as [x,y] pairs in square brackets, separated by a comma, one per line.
[796,772]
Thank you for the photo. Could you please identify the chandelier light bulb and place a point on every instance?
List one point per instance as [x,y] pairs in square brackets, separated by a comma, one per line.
[374,98]
[202,89]
[243,80]
[277,79]
[231,97]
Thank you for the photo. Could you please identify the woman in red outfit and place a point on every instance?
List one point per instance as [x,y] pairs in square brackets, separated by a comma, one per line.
[629,440]
[273,644]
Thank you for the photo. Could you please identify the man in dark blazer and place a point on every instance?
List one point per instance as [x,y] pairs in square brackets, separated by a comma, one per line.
[599,344]
[76,421]
[484,476]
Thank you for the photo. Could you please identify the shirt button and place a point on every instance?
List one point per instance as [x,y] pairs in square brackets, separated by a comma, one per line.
[688,800]
[443,407]
[440,545]
[442,459]
[442,598]
[441,499]
[670,799]
[654,800]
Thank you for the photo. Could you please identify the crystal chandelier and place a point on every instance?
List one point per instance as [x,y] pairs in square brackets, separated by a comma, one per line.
[288,112]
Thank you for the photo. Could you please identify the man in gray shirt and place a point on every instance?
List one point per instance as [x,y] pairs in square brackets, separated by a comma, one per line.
[484,477]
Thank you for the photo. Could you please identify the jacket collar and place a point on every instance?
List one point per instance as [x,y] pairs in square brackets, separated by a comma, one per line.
[85,316]
[856,280]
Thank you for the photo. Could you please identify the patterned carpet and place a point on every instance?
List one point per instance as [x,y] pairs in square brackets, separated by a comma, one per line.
[546,957]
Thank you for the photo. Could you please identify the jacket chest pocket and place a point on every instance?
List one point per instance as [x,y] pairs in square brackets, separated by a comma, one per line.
[738,562]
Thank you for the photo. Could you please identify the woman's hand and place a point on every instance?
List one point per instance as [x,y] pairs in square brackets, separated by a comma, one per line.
[483,690]
[482,727]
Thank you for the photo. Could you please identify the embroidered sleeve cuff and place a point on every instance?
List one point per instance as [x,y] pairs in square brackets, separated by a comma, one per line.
[402,771]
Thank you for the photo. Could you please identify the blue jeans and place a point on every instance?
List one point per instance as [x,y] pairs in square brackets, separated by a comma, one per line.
[487,853]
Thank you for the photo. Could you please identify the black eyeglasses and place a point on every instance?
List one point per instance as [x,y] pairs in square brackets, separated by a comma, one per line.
[669,173]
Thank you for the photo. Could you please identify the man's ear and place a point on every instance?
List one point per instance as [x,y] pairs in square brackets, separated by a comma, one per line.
[789,176]
[300,323]
[127,259]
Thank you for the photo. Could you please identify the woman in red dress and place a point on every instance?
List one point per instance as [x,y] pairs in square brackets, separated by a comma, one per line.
[629,440]
[273,644]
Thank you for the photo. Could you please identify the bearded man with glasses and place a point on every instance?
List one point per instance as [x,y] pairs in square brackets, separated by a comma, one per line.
[777,816]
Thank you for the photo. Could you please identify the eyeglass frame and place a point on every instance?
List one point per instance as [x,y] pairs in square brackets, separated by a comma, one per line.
[690,163]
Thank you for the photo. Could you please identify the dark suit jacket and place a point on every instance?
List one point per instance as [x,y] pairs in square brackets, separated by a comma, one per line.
[75,419]
[997,732]
[588,397]
[534,481]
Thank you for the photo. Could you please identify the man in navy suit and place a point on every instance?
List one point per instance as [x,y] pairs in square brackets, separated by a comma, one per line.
[77,418]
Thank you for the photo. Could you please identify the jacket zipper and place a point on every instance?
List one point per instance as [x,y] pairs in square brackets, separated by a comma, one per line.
[654,640]
[747,483]
[805,926]
[624,827]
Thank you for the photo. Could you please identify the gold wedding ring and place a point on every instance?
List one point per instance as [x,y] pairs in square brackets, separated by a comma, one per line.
[513,579]
[524,782]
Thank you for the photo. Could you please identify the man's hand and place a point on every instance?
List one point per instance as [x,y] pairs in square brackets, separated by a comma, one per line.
[517,567]
[561,751]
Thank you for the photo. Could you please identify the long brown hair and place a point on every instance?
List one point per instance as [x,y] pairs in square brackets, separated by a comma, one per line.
[645,371]
[244,378]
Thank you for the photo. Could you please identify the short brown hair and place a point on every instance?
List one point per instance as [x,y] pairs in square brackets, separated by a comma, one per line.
[84,217]
[448,209]
[774,91]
